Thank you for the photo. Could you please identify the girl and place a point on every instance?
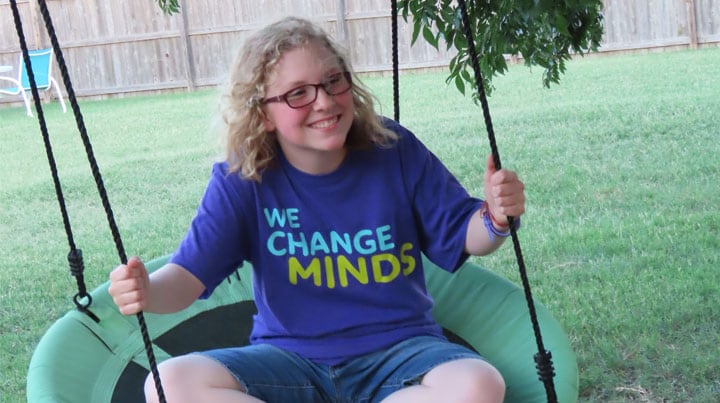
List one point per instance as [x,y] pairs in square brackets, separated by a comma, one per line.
[334,207]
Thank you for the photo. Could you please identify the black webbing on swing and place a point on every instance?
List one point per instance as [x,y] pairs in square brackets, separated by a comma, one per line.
[543,358]
[75,255]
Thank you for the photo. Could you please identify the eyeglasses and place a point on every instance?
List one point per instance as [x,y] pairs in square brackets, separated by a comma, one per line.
[304,95]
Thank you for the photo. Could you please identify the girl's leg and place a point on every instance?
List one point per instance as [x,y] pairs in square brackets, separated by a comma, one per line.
[465,380]
[253,373]
[196,378]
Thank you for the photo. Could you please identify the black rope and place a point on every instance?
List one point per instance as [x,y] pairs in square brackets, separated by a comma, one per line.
[75,255]
[82,299]
[543,359]
[395,60]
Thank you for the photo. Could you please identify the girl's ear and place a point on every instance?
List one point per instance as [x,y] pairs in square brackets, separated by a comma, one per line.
[267,123]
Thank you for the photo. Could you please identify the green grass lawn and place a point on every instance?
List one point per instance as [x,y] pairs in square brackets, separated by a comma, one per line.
[621,237]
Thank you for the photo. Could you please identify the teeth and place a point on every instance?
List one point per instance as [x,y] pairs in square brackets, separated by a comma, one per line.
[325,123]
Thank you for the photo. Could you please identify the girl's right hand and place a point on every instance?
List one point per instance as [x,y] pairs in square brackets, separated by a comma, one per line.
[129,286]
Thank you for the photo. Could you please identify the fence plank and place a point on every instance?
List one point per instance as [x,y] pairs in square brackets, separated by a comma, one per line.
[708,20]
[116,48]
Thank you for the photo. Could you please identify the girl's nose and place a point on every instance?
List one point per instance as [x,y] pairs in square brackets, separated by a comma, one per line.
[323,99]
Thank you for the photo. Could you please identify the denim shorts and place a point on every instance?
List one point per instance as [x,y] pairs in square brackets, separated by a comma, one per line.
[275,375]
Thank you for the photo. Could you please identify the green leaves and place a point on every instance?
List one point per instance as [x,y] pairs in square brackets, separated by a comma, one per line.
[169,7]
[543,32]
[430,36]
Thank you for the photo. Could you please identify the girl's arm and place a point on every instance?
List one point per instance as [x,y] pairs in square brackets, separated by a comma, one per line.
[169,289]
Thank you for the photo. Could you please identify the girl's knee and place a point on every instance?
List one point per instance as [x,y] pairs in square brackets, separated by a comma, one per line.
[491,385]
[468,380]
[482,385]
[151,393]
[185,378]
[170,377]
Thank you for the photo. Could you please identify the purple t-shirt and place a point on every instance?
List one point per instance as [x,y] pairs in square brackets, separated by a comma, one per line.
[336,258]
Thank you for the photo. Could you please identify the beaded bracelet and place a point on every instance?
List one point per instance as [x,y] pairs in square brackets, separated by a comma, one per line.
[488,220]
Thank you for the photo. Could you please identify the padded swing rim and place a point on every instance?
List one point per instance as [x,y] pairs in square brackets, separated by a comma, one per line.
[481,308]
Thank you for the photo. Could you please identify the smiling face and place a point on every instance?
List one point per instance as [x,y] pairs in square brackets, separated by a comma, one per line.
[311,137]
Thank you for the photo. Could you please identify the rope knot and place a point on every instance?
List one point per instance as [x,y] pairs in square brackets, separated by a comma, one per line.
[75,259]
[544,365]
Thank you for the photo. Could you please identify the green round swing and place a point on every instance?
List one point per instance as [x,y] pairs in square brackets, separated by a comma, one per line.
[95,354]
[81,360]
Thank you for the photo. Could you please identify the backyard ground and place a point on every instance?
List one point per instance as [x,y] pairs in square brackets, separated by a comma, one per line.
[621,236]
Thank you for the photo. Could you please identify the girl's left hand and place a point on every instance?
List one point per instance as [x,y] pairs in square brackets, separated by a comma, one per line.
[504,193]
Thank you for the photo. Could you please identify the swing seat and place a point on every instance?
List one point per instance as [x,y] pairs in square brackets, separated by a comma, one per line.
[79,360]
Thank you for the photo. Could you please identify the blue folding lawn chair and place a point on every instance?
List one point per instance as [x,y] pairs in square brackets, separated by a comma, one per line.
[41,62]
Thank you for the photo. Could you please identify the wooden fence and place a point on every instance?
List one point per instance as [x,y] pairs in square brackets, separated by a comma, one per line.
[114,48]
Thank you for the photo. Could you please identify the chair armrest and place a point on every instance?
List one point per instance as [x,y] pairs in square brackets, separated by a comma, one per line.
[9,90]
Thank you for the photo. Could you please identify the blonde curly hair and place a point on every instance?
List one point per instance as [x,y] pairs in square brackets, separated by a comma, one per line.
[249,148]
